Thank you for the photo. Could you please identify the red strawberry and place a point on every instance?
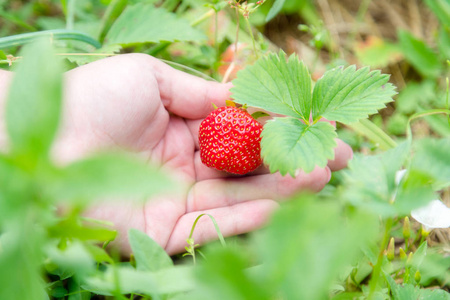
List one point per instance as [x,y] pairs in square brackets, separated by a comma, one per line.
[230,140]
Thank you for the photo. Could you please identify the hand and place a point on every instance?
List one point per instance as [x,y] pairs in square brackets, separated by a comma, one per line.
[138,103]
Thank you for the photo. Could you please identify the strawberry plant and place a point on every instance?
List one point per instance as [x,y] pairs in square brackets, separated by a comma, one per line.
[283,85]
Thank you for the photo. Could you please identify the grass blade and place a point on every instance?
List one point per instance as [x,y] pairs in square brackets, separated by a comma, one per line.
[59,34]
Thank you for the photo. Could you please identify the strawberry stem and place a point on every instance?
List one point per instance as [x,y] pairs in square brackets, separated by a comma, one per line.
[230,103]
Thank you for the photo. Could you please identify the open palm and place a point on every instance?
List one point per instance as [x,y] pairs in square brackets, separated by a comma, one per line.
[137,103]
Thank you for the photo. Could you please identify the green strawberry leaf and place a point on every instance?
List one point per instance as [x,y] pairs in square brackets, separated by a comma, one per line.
[347,95]
[410,291]
[288,145]
[276,85]
[143,23]
[283,86]
[370,184]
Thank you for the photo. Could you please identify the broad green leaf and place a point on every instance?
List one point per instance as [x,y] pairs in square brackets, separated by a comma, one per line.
[74,260]
[414,192]
[56,289]
[2,55]
[76,292]
[307,245]
[166,281]
[15,188]
[224,275]
[370,184]
[98,254]
[410,291]
[276,85]
[149,254]
[348,296]
[72,229]
[393,160]
[289,145]
[144,23]
[434,267]
[109,175]
[275,9]
[347,95]
[34,103]
[424,59]
[433,157]
[419,255]
[367,185]
[441,8]
[20,258]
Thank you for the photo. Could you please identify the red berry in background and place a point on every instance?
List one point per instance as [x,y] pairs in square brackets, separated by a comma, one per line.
[230,140]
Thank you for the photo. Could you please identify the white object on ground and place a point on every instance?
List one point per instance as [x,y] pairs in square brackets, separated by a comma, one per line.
[433,215]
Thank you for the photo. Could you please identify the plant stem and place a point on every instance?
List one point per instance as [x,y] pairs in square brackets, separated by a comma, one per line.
[446,98]
[376,273]
[70,18]
[188,69]
[359,18]
[251,35]
[113,11]
[423,114]
[203,17]
[216,34]
[237,36]
[219,234]
[374,133]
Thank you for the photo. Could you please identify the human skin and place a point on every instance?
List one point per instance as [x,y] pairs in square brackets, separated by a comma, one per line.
[139,104]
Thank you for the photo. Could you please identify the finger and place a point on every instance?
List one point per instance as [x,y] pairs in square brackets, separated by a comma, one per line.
[186,95]
[193,126]
[214,193]
[342,154]
[232,220]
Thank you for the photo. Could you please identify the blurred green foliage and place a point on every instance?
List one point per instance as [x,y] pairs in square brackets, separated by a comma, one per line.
[326,246]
